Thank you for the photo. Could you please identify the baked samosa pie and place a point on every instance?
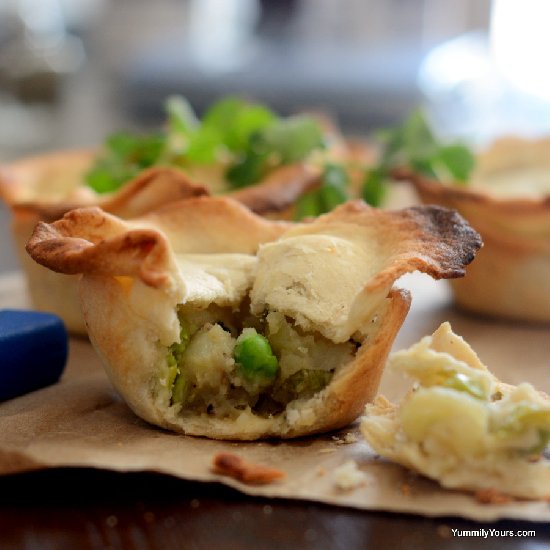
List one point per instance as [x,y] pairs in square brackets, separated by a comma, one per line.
[213,321]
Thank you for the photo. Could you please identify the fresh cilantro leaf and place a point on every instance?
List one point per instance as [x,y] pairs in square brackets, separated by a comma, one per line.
[418,140]
[414,145]
[335,175]
[124,157]
[458,160]
[223,112]
[331,193]
[248,122]
[291,139]
[248,170]
[281,142]
[181,117]
[236,121]
[251,134]
[332,196]
[204,146]
[374,186]
[308,206]
[107,176]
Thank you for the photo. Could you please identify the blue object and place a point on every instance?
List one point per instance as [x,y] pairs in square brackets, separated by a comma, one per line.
[33,351]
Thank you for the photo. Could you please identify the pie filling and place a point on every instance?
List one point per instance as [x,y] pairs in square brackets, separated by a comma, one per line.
[228,361]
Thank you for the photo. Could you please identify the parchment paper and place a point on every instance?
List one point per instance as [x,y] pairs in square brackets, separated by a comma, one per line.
[82,422]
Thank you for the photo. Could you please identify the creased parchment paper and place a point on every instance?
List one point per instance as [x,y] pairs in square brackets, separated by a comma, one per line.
[82,422]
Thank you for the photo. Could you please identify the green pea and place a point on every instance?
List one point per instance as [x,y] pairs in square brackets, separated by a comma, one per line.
[254,356]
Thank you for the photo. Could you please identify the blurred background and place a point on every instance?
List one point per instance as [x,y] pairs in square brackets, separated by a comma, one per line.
[72,71]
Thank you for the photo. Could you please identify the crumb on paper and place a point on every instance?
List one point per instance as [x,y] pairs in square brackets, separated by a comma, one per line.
[232,465]
[346,440]
[405,489]
[492,496]
[321,471]
[348,476]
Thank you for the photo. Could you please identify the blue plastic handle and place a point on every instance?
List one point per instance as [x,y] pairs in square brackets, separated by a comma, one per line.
[33,351]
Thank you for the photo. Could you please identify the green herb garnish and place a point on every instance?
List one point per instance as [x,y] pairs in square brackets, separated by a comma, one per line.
[331,192]
[374,186]
[413,145]
[283,142]
[125,156]
[248,137]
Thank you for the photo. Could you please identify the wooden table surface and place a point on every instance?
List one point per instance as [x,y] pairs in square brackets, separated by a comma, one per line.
[96,509]
[84,508]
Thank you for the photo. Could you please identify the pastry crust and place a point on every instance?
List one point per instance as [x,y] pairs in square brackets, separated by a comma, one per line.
[214,251]
[511,277]
[434,240]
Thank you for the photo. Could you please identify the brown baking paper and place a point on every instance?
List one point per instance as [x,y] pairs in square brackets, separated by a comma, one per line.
[81,422]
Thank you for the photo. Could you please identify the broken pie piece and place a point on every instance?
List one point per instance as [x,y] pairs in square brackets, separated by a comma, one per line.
[460,425]
[213,321]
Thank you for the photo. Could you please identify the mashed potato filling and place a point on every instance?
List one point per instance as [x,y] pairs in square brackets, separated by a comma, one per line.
[228,361]
[252,336]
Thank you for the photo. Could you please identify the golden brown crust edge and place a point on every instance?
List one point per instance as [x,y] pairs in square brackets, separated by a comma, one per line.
[430,239]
